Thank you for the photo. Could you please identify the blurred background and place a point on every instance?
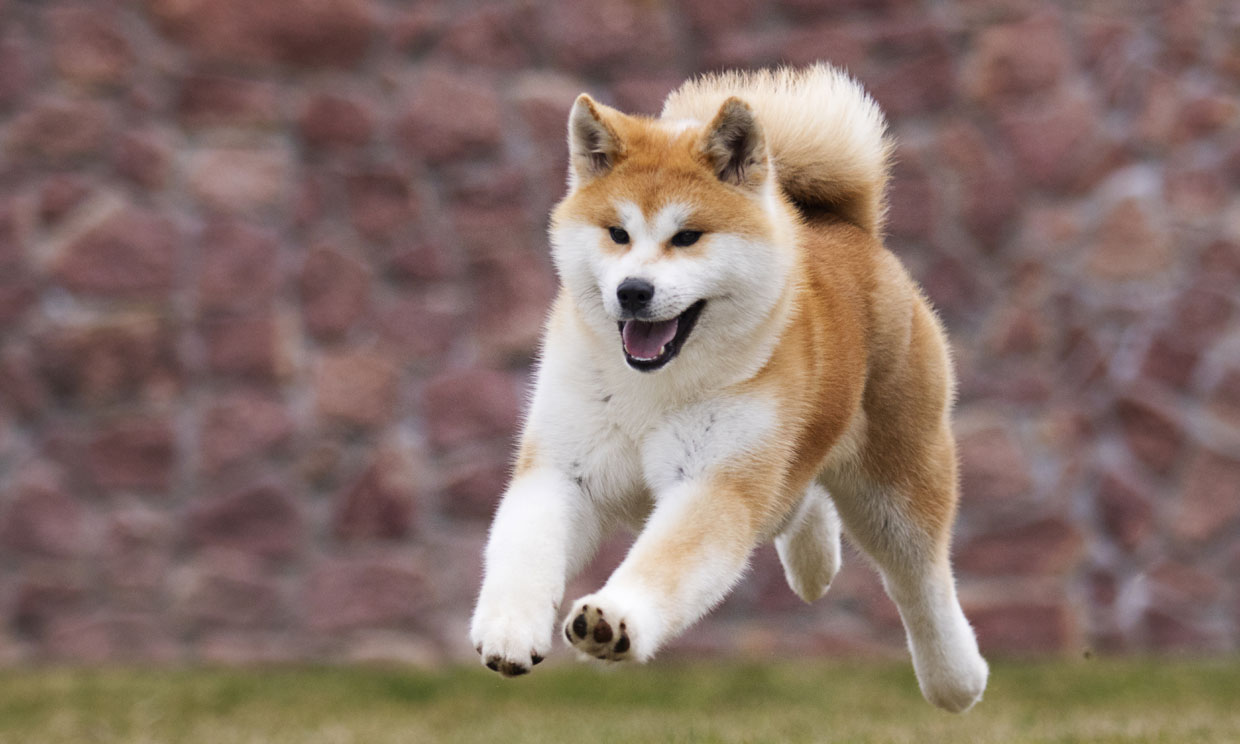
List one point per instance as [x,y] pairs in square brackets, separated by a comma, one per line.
[272,275]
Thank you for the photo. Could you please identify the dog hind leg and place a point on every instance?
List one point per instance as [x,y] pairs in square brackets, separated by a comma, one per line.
[809,546]
[908,540]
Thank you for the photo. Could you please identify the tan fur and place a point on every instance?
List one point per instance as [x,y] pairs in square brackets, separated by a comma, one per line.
[823,345]
[860,340]
[842,169]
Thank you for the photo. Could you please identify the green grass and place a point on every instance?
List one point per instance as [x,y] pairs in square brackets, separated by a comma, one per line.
[821,701]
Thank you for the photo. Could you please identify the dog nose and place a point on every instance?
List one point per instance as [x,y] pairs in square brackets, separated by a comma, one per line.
[634,294]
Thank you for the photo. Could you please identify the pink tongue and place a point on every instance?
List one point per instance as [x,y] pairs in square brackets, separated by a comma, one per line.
[644,340]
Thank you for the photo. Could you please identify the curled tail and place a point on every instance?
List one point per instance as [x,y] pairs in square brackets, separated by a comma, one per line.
[826,135]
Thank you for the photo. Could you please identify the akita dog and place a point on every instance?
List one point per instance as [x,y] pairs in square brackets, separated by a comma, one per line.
[733,357]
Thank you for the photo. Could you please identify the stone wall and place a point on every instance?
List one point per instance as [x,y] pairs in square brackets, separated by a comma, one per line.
[272,274]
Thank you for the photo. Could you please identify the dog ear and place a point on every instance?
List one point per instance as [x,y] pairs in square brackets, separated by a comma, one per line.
[735,147]
[593,145]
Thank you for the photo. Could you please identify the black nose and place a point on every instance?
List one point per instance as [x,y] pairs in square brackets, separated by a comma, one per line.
[634,294]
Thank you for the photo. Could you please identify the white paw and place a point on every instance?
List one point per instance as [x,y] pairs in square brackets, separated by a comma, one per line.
[511,639]
[954,685]
[809,548]
[601,630]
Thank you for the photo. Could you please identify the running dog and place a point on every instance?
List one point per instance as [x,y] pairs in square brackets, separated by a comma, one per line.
[733,357]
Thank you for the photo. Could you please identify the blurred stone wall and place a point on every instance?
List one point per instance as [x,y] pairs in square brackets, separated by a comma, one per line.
[272,274]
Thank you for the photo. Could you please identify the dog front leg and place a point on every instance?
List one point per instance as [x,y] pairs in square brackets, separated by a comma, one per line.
[540,534]
[693,550]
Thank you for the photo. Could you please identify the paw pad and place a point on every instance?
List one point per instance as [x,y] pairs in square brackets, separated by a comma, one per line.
[591,634]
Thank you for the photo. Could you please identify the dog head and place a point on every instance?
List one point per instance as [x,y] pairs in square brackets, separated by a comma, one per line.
[672,239]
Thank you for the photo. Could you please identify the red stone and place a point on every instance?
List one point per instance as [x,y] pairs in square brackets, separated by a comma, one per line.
[1200,117]
[380,504]
[713,16]
[380,202]
[133,454]
[1056,142]
[218,101]
[764,47]
[990,192]
[1018,59]
[335,292]
[1226,397]
[249,648]
[1171,360]
[801,10]
[12,253]
[451,116]
[1195,190]
[229,590]
[356,388]
[994,472]
[1152,432]
[238,269]
[1126,514]
[43,596]
[917,69]
[15,297]
[1203,312]
[1176,584]
[242,426]
[1174,630]
[335,122]
[311,33]
[244,346]
[14,71]
[347,594]
[1131,243]
[132,253]
[89,46]
[472,490]
[952,287]
[543,101]
[1221,259]
[1045,547]
[143,157]
[39,518]
[137,553]
[515,286]
[59,195]
[107,636]
[1210,500]
[22,389]
[422,324]
[1018,332]
[465,405]
[118,358]
[497,36]
[240,179]
[59,130]
[486,185]
[414,28]
[260,519]
[424,258]
[912,198]
[1030,627]
[644,95]
[609,37]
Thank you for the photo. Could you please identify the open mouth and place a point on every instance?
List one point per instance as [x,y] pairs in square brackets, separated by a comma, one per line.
[650,345]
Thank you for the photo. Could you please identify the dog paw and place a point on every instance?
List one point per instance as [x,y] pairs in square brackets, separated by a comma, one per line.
[596,632]
[957,686]
[508,643]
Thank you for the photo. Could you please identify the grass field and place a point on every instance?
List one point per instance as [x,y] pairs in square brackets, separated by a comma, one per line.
[822,701]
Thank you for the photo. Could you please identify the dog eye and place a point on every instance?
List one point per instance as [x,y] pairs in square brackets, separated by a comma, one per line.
[618,235]
[686,237]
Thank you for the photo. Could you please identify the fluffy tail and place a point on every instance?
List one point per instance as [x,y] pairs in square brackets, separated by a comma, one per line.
[825,134]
